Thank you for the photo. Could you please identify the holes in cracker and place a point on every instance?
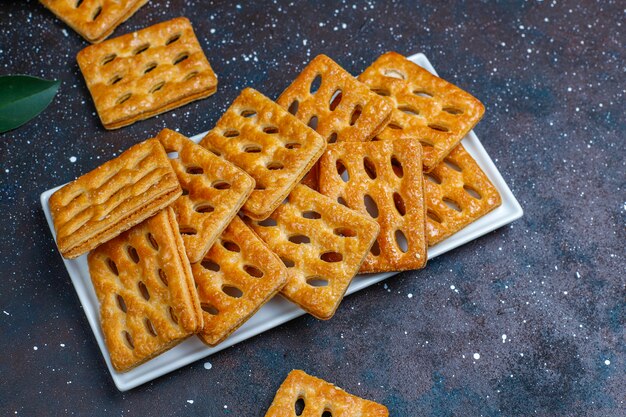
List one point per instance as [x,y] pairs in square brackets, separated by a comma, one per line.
[439,128]
[253,271]
[453,110]
[344,232]
[143,290]
[275,166]
[141,49]
[231,246]
[96,13]
[315,84]
[232,291]
[173,39]
[335,99]
[149,327]
[381,91]
[299,406]
[327,413]
[152,241]
[214,152]
[181,57]
[270,130]
[332,138]
[78,3]
[375,249]
[121,304]
[288,262]
[311,214]
[356,113]
[150,67]
[221,185]
[425,144]
[401,241]
[313,122]
[472,192]
[433,216]
[342,201]
[398,202]
[210,265]
[230,133]
[173,315]
[116,79]
[293,107]
[369,167]
[412,111]
[342,171]
[395,126]
[452,165]
[132,254]
[422,93]
[163,277]
[433,178]
[452,204]
[259,187]
[317,281]
[157,87]
[193,170]
[185,191]
[331,257]
[248,113]
[370,206]
[293,145]
[209,308]
[396,167]
[128,339]
[299,239]
[269,222]
[112,267]
[190,75]
[108,59]
[189,231]
[204,208]
[393,73]
[124,98]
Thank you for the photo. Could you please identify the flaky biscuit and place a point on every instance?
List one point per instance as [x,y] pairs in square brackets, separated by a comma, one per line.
[382,179]
[304,395]
[213,192]
[322,243]
[427,108]
[457,193]
[113,198]
[143,281]
[268,143]
[141,74]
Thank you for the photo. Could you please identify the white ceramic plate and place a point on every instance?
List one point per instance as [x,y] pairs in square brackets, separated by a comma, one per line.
[278,310]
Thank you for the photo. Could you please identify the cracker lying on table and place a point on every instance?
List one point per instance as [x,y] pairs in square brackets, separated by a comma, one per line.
[428,108]
[213,192]
[141,74]
[383,179]
[94,20]
[322,243]
[148,303]
[268,143]
[234,280]
[309,396]
[457,193]
[112,198]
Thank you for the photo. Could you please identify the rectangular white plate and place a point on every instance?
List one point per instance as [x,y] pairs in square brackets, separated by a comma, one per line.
[278,310]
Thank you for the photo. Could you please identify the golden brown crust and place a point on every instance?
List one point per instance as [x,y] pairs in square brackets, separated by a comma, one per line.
[338,241]
[238,262]
[113,198]
[138,75]
[428,108]
[459,182]
[213,192]
[268,143]
[317,397]
[94,20]
[387,176]
[143,282]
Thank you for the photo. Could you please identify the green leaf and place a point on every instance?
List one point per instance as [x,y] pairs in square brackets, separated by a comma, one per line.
[23,97]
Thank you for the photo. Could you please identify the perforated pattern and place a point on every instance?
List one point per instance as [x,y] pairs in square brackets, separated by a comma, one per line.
[318,398]
[112,198]
[457,193]
[268,143]
[382,179]
[236,277]
[213,192]
[147,301]
[322,243]
[94,20]
[427,108]
[144,73]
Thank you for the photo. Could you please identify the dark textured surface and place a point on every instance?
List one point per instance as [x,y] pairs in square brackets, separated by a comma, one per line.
[551,76]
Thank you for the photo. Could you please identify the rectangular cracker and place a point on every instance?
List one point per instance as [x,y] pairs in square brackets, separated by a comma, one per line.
[112,198]
[456,183]
[94,20]
[213,192]
[268,143]
[141,74]
[303,394]
[427,108]
[234,280]
[322,243]
[382,179]
[148,302]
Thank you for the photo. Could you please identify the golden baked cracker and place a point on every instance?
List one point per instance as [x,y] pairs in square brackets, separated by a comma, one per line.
[213,192]
[148,302]
[304,395]
[113,198]
[141,74]
[428,108]
[94,20]
[268,143]
[322,243]
[383,179]
[236,277]
[457,193]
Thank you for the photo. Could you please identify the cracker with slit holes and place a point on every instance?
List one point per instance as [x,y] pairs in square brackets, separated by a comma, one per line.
[307,396]
[148,302]
[335,104]
[213,192]
[427,108]
[382,179]
[322,243]
[112,198]
[94,20]
[268,143]
[141,74]
[457,193]
[234,280]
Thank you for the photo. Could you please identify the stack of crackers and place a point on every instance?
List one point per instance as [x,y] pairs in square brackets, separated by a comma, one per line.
[338,176]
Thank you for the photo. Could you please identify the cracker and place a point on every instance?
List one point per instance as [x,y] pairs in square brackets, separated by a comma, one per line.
[457,193]
[308,396]
[234,280]
[141,74]
[94,20]
[268,143]
[322,243]
[113,198]
[382,179]
[213,192]
[148,303]
[434,111]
